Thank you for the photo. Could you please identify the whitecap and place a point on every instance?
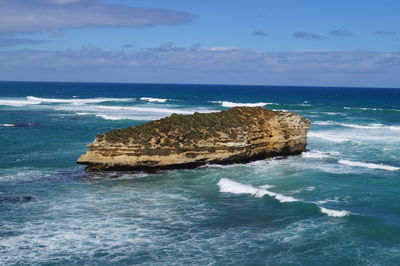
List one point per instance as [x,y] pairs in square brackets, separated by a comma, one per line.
[329,136]
[228,186]
[139,113]
[369,165]
[147,109]
[335,200]
[323,123]
[334,213]
[331,113]
[32,100]
[318,154]
[347,135]
[8,125]
[17,103]
[369,126]
[77,101]
[267,186]
[19,125]
[110,117]
[234,104]
[156,100]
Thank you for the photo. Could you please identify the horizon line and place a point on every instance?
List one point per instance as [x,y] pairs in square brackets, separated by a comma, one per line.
[201,84]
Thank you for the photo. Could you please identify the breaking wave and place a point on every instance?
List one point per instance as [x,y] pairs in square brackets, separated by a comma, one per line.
[228,186]
[334,213]
[369,126]
[156,100]
[31,100]
[369,165]
[233,104]
[130,112]
[319,154]
[78,101]
[343,136]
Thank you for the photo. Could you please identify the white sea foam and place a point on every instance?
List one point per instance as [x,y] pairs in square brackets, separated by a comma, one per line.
[280,110]
[128,112]
[370,109]
[369,165]
[31,100]
[369,126]
[110,117]
[346,135]
[334,213]
[17,103]
[124,116]
[266,186]
[330,113]
[335,199]
[147,109]
[84,113]
[78,101]
[19,125]
[156,100]
[329,136]
[228,186]
[7,125]
[318,154]
[323,123]
[233,104]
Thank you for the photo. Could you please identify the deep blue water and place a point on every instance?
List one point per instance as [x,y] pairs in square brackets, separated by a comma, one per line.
[337,204]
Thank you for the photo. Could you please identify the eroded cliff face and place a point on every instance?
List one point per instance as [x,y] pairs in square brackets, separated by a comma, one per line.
[236,135]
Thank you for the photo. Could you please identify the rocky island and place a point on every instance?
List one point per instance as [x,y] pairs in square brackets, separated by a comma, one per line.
[236,135]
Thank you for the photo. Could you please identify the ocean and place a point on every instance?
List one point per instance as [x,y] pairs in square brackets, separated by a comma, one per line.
[336,204]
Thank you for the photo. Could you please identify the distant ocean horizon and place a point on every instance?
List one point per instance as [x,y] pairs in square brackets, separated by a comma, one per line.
[200,84]
[336,204]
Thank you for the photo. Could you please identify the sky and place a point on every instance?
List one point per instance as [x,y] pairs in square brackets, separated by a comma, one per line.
[255,42]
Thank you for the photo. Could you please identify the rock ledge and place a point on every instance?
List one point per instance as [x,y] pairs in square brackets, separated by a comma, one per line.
[236,135]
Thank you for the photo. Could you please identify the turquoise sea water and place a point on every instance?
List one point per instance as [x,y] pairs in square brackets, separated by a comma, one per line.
[337,204]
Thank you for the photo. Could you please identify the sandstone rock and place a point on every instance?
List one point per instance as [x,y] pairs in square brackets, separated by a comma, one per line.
[236,135]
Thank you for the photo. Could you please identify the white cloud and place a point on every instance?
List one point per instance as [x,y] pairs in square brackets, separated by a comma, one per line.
[22,16]
[220,48]
[171,64]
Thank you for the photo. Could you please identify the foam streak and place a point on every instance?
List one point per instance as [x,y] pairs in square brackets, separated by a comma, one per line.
[369,165]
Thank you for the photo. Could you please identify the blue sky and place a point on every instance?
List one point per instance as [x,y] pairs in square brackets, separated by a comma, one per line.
[286,42]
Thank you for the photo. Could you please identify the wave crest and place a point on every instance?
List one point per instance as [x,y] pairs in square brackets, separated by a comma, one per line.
[155,100]
[229,186]
[233,104]
[369,126]
[334,213]
[369,165]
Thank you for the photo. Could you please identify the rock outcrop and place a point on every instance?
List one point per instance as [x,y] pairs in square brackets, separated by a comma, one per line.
[236,135]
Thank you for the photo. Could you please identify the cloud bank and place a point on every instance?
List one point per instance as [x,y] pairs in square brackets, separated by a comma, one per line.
[171,64]
[26,16]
